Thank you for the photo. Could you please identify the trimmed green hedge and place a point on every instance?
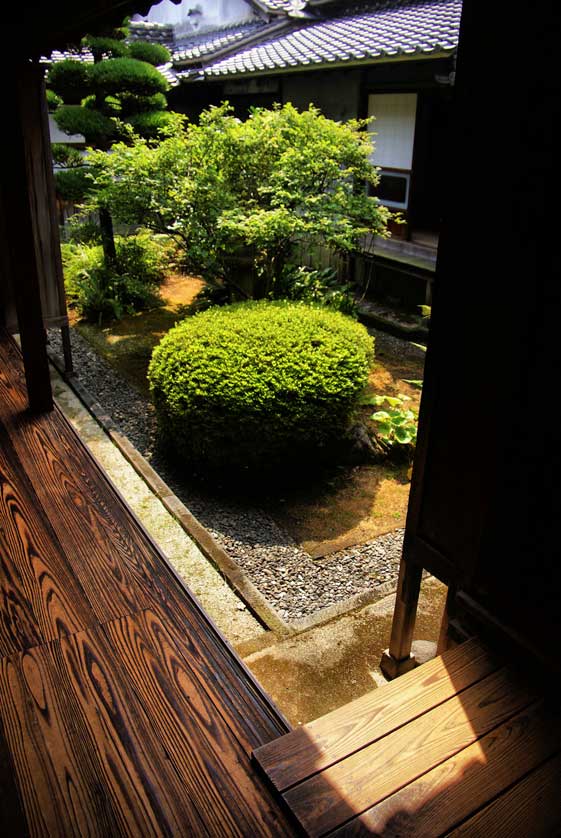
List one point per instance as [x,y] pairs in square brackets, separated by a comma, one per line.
[70,80]
[97,128]
[116,75]
[151,53]
[258,385]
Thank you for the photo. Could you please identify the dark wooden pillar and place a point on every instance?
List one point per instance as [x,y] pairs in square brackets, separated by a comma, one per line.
[25,134]
[484,507]
[397,659]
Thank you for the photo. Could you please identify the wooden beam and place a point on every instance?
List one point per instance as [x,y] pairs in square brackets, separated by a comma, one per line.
[24,82]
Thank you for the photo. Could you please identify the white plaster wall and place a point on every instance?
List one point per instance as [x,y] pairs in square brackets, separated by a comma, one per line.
[394,128]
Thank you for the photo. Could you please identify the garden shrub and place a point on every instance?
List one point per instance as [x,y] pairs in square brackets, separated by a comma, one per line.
[257,386]
[73,184]
[101,292]
[115,75]
[70,79]
[317,286]
[53,100]
[95,126]
[151,53]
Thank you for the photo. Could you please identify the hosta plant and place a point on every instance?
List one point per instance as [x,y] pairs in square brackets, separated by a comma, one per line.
[396,424]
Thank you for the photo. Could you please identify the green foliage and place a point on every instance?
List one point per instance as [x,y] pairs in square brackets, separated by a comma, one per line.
[100,293]
[104,47]
[70,80]
[151,53]
[116,75]
[53,100]
[130,103]
[73,184]
[397,425]
[82,231]
[317,286]
[225,186]
[66,155]
[97,128]
[151,123]
[258,385]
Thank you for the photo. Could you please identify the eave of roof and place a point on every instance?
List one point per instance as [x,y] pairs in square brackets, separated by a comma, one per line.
[374,32]
[183,56]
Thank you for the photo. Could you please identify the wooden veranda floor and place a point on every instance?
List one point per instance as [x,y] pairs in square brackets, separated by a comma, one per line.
[461,746]
[122,710]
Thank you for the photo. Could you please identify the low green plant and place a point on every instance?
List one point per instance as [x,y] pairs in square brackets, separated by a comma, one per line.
[396,426]
[258,386]
[99,292]
[317,286]
[66,155]
[81,230]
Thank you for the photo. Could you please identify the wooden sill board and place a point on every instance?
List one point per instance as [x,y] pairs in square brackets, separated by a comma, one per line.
[422,755]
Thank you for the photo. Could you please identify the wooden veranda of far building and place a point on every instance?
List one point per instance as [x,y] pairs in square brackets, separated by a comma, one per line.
[123,710]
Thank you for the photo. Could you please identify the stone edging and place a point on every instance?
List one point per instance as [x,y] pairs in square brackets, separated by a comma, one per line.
[230,570]
[399,330]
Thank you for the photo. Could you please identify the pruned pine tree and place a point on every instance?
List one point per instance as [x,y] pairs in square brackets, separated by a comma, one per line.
[121,90]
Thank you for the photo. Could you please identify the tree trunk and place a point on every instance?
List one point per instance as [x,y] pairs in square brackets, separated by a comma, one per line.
[107,238]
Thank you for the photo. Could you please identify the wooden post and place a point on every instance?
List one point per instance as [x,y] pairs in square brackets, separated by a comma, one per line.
[22,80]
[398,658]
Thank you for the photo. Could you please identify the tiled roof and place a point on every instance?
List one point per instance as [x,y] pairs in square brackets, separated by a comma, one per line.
[156,33]
[367,31]
[196,46]
[282,5]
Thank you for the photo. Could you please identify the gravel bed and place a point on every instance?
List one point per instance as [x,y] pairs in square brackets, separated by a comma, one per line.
[295,584]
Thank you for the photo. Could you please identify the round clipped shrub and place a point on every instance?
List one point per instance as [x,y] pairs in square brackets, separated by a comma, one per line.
[258,385]
[116,75]
[70,79]
[97,128]
[155,54]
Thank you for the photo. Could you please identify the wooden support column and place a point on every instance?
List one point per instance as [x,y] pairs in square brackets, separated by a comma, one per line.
[23,99]
[397,660]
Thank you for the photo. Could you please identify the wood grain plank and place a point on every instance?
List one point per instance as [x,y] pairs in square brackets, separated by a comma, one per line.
[189,721]
[148,793]
[56,773]
[449,793]
[323,742]
[251,718]
[327,800]
[82,514]
[12,819]
[87,760]
[530,808]
[18,628]
[33,559]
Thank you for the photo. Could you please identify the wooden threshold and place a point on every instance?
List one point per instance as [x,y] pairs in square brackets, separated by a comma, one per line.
[445,747]
[123,711]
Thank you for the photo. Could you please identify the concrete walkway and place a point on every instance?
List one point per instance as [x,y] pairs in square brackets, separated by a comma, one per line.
[217,598]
